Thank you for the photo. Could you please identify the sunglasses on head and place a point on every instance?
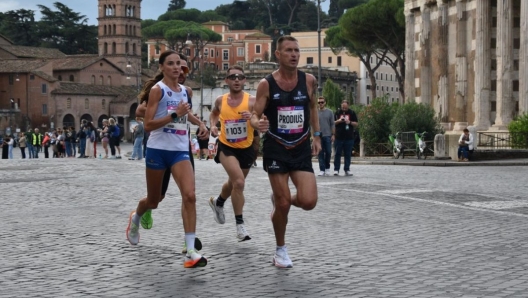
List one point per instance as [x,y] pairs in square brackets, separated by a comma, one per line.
[235,76]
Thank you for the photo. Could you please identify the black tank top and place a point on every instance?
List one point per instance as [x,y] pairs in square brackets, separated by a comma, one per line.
[288,112]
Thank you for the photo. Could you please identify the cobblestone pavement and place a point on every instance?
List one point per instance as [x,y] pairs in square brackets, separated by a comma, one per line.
[388,231]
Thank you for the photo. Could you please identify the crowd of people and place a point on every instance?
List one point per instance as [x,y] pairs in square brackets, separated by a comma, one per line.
[66,142]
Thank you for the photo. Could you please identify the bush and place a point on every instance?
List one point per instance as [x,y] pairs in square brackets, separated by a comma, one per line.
[518,129]
[333,95]
[374,121]
[417,117]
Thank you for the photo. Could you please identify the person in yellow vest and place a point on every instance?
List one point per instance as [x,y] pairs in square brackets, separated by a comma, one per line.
[37,142]
[235,146]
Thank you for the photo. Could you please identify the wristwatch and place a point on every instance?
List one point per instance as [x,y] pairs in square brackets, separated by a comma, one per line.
[317,134]
[174,115]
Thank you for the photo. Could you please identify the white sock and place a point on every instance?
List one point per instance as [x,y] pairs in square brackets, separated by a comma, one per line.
[135,219]
[189,241]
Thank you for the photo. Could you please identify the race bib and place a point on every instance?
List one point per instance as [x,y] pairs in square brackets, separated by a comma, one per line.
[290,119]
[178,126]
[235,130]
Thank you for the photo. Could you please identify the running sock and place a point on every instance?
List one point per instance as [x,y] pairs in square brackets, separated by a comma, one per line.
[135,219]
[239,219]
[189,240]
[220,202]
[281,247]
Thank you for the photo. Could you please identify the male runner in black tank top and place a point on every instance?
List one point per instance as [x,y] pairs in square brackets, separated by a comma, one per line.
[285,109]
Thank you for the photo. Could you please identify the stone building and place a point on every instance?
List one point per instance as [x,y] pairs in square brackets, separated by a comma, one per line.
[46,88]
[469,60]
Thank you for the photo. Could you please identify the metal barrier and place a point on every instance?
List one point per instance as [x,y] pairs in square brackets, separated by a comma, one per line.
[502,140]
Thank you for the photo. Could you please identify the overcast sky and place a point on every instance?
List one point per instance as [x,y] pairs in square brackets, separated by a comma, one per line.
[150,9]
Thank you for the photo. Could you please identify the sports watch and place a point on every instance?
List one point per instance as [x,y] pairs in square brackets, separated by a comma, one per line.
[317,134]
[174,115]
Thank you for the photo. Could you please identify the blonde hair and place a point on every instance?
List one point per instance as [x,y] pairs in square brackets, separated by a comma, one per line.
[112,121]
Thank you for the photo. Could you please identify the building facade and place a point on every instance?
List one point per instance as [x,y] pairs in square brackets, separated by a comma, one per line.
[468,59]
[45,88]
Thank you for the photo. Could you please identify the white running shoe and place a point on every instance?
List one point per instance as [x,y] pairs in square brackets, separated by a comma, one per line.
[132,230]
[218,211]
[336,173]
[321,173]
[281,258]
[348,173]
[242,233]
[327,172]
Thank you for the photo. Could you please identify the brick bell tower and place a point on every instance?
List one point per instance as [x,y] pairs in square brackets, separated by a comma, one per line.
[119,36]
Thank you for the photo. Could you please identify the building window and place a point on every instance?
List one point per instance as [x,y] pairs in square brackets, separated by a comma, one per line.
[31,77]
[72,79]
[86,103]
[257,49]
[392,89]
[371,60]
[338,60]
[105,48]
[376,76]
[225,66]
[386,77]
[103,104]
[68,103]
[187,52]
[225,54]
[377,88]
[329,59]
[101,80]
[109,81]
[44,109]
[93,80]
[212,53]
[309,60]
[382,88]
[493,107]
[230,39]
[396,89]
[515,84]
[114,48]
[44,88]
[60,78]
[240,52]
[157,50]
[493,85]
[516,43]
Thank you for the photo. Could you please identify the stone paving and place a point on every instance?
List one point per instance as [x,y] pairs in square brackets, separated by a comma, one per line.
[388,231]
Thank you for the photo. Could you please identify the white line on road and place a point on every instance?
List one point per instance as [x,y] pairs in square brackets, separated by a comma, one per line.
[429,201]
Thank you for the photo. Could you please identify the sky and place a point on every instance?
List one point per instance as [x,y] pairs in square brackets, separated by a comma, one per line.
[150,9]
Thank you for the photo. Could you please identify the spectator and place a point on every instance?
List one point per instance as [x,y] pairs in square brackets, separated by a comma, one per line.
[204,144]
[22,144]
[138,140]
[326,124]
[345,122]
[465,144]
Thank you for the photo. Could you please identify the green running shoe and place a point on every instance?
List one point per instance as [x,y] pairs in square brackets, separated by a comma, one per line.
[197,245]
[147,220]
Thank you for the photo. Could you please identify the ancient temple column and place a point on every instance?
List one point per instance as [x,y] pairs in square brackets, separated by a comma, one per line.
[410,88]
[425,57]
[523,63]
[441,105]
[482,66]
[458,113]
[504,64]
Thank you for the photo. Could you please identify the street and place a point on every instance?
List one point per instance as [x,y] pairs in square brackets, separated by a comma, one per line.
[388,231]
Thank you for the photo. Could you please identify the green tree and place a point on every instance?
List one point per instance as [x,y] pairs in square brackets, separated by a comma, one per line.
[418,117]
[20,27]
[188,15]
[374,121]
[347,4]
[369,23]
[518,129]
[176,4]
[360,48]
[333,94]
[209,76]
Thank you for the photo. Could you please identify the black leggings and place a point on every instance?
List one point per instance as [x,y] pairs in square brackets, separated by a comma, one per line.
[112,142]
[167,175]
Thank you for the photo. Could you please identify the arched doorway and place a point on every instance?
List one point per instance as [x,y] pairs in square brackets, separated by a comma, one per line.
[68,121]
[100,121]
[132,112]
[87,117]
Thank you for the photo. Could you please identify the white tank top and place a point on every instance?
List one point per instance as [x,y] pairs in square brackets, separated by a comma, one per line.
[173,136]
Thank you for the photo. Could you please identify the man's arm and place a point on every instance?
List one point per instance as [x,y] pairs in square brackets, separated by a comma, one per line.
[214,117]
[261,101]
[314,114]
